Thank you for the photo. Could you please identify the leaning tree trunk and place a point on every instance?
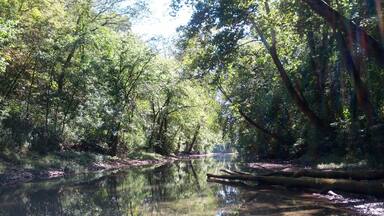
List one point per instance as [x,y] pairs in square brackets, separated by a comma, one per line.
[296,95]
[194,139]
[252,122]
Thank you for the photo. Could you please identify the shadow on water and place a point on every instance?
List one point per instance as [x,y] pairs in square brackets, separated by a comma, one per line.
[173,189]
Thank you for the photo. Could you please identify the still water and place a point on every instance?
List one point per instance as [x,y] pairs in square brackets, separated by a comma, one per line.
[173,189]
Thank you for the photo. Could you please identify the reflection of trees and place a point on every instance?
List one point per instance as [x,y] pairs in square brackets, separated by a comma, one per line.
[44,201]
[190,166]
[174,187]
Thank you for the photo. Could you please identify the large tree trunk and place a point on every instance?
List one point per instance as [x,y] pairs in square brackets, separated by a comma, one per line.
[356,35]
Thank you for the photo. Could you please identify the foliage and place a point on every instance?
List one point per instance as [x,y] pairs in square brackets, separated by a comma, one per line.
[280,66]
[73,76]
[275,79]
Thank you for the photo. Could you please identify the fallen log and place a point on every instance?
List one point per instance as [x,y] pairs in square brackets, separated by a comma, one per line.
[352,175]
[234,172]
[235,177]
[337,174]
[375,188]
[228,171]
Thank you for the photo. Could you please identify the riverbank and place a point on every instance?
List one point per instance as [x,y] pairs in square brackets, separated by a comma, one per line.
[34,167]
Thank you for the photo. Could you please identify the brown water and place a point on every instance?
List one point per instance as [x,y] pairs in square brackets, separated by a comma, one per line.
[174,189]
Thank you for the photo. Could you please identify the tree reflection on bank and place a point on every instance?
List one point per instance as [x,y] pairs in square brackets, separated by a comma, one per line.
[173,189]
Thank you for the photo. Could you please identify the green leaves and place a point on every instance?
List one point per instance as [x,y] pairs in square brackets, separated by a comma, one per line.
[7,34]
[222,47]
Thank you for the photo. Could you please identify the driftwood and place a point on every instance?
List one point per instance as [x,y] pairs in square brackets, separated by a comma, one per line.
[299,180]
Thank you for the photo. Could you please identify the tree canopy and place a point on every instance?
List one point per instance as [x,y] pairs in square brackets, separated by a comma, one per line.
[74,76]
[274,79]
[300,72]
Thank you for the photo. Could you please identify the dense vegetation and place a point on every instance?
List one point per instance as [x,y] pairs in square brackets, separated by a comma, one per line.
[299,76]
[73,76]
[277,79]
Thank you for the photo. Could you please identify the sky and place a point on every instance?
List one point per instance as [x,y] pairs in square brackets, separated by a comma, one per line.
[159,22]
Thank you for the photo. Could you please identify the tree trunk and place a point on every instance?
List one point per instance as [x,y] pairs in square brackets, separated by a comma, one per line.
[115,140]
[253,122]
[362,91]
[292,91]
[193,142]
[261,128]
[61,78]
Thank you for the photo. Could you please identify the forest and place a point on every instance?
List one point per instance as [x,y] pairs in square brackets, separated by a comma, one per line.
[283,80]
[287,86]
[74,77]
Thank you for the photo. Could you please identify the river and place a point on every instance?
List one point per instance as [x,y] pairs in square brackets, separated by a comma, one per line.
[179,188]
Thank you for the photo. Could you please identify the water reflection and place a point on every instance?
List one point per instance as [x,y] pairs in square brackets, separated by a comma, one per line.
[173,189]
